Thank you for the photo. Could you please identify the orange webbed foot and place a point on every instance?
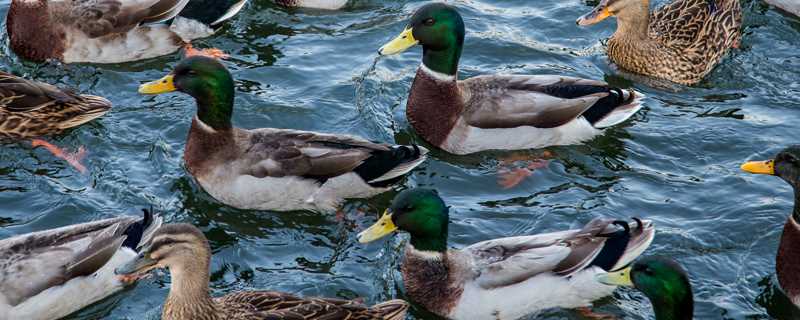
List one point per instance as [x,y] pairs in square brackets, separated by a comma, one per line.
[190,51]
[74,159]
[589,314]
[509,176]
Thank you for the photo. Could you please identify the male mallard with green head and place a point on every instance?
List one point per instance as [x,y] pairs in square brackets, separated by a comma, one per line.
[108,31]
[495,112]
[786,166]
[275,169]
[184,250]
[51,274]
[663,281]
[504,278]
[680,42]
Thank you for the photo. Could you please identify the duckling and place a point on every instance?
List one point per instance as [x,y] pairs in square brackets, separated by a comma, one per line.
[680,42]
[786,165]
[498,112]
[663,281]
[275,169]
[30,109]
[505,278]
[50,274]
[105,31]
[184,250]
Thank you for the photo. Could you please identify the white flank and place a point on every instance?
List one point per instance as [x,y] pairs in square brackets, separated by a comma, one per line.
[142,42]
[541,292]
[60,301]
[435,74]
[230,13]
[322,4]
[619,115]
[465,139]
[190,29]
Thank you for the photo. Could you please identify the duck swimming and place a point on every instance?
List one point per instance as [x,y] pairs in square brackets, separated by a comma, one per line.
[108,31]
[505,278]
[786,165]
[184,250]
[498,112]
[275,169]
[680,42]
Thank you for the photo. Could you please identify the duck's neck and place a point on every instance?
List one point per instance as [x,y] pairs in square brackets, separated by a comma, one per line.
[787,263]
[205,144]
[430,279]
[432,244]
[680,308]
[633,23]
[434,104]
[189,297]
[444,61]
[216,108]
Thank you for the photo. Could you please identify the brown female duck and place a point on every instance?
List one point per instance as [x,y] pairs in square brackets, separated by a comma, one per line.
[680,42]
[786,165]
[184,250]
[31,109]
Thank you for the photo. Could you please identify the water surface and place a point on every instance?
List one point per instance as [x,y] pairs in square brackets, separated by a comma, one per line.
[676,162]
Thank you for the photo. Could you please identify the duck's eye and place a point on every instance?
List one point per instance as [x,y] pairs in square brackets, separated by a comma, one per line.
[429,22]
[408,208]
[191,73]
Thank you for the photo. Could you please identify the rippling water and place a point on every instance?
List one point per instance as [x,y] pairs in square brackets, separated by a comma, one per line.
[676,162]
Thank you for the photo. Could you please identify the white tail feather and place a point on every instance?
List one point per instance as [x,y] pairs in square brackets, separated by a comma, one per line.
[403,168]
[622,113]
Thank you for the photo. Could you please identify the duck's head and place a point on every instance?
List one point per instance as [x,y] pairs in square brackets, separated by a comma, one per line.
[663,281]
[207,81]
[173,246]
[439,29]
[785,165]
[421,213]
[619,8]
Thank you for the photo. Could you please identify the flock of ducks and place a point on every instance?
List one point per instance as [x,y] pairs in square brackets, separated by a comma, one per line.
[52,273]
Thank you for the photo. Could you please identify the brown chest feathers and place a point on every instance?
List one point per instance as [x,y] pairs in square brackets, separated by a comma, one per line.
[433,107]
[205,146]
[32,33]
[788,260]
[431,283]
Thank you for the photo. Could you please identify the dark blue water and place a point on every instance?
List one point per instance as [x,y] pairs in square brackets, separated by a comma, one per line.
[676,162]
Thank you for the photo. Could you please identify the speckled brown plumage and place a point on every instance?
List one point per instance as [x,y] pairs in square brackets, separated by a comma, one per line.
[184,250]
[432,282]
[787,262]
[428,93]
[31,109]
[680,42]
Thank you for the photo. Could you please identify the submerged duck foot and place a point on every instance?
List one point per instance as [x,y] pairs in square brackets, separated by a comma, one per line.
[74,159]
[509,176]
[190,51]
[588,313]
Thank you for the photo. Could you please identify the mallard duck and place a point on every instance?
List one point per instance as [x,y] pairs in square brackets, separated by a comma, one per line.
[275,169]
[786,166]
[50,274]
[504,278]
[680,42]
[315,4]
[31,109]
[184,250]
[494,112]
[109,31]
[663,281]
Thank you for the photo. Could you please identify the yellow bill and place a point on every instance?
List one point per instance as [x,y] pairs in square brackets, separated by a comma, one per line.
[159,86]
[599,13]
[617,278]
[380,229]
[760,167]
[404,41]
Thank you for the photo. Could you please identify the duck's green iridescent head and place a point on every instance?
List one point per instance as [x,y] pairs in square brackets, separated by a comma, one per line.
[205,79]
[438,27]
[421,213]
[663,281]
